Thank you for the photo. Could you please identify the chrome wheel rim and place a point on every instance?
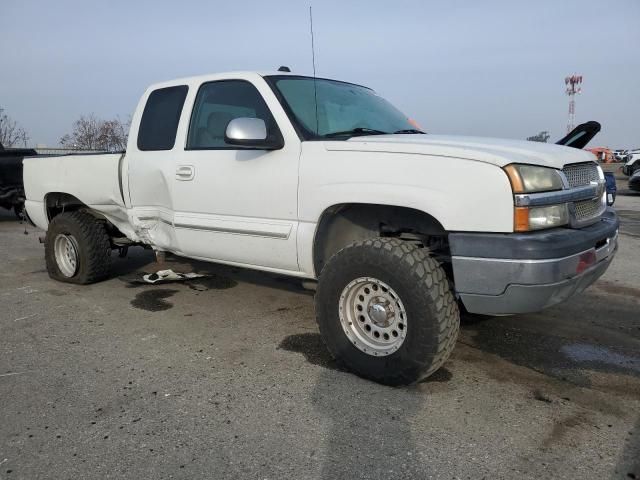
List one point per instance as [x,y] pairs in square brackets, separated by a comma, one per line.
[373,316]
[65,249]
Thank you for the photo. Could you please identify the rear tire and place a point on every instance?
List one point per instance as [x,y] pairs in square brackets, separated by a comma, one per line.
[77,249]
[419,303]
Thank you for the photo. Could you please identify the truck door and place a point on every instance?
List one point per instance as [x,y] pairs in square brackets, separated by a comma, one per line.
[232,204]
[150,161]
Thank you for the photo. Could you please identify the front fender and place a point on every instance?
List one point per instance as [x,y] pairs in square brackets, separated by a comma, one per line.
[463,195]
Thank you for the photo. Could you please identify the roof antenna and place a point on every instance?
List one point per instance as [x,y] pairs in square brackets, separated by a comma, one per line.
[313,59]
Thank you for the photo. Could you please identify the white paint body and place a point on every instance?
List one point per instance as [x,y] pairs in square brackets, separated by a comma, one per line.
[633,158]
[260,209]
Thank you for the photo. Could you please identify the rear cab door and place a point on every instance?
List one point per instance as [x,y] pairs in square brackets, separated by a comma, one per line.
[150,163]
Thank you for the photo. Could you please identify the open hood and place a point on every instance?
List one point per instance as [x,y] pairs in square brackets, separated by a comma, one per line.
[580,136]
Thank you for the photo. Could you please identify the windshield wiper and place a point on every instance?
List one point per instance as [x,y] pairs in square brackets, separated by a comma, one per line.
[356,131]
[410,130]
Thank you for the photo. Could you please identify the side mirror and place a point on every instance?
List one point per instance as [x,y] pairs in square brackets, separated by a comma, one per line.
[250,133]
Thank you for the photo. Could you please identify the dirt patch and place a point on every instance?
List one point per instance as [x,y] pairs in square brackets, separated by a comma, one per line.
[563,428]
[616,289]
[56,293]
[545,388]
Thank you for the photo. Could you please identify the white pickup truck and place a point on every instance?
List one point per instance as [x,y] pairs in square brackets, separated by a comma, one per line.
[326,180]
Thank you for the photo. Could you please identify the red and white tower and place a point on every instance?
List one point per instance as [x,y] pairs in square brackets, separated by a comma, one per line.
[574,86]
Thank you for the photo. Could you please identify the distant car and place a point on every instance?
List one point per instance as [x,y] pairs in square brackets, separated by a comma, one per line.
[11,187]
[621,156]
[612,188]
[633,163]
[634,181]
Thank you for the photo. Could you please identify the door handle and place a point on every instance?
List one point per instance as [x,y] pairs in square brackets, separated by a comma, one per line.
[185,172]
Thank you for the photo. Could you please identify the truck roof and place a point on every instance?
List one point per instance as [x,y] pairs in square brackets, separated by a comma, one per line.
[240,75]
[197,79]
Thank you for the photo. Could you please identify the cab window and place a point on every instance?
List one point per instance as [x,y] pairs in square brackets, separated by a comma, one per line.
[216,104]
[160,118]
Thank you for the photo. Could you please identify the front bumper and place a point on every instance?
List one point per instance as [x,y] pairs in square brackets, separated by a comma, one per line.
[520,273]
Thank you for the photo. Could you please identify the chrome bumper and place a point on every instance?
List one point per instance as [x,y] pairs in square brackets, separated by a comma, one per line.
[507,285]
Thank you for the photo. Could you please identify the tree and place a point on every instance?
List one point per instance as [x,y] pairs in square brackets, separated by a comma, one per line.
[11,134]
[92,133]
[540,137]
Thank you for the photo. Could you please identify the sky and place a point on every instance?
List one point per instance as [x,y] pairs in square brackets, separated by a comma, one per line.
[490,68]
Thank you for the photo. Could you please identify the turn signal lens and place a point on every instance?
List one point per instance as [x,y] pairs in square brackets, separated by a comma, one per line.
[514,178]
[521,219]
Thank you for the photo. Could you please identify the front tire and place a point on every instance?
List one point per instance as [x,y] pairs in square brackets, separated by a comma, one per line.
[386,311]
[77,249]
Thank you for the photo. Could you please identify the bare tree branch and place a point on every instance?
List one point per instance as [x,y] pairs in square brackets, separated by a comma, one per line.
[540,137]
[11,134]
[92,133]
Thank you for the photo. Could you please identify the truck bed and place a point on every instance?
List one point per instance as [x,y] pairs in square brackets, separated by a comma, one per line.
[94,179]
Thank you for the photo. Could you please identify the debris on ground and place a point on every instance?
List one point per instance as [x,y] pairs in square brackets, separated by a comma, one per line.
[169,276]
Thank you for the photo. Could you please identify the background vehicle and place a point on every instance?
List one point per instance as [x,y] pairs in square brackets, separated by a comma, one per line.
[11,187]
[620,155]
[612,188]
[634,181]
[633,162]
[322,179]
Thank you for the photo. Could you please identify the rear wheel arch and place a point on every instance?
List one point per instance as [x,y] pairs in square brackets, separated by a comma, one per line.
[343,224]
[57,202]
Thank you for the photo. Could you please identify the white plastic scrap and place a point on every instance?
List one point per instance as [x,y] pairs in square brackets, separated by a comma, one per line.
[169,276]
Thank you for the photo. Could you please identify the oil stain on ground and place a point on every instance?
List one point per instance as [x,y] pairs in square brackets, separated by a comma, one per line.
[153,300]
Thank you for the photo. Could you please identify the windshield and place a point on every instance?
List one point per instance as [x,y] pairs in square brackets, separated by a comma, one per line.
[343,109]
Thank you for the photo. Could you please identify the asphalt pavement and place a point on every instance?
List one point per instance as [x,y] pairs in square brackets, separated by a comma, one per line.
[227,377]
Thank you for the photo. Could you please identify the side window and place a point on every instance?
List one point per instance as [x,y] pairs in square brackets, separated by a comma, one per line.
[160,118]
[217,103]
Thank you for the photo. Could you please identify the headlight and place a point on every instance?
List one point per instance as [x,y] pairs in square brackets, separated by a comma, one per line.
[536,218]
[528,179]
[531,179]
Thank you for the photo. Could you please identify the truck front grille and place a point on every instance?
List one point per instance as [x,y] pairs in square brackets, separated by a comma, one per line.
[578,175]
[588,209]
